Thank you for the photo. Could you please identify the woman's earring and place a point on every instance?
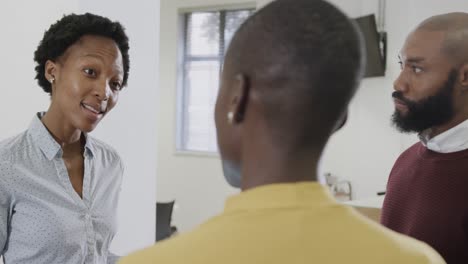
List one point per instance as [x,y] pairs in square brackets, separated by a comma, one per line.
[230,117]
[52,80]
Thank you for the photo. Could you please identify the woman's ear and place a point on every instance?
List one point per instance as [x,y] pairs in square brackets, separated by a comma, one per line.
[239,98]
[463,76]
[50,71]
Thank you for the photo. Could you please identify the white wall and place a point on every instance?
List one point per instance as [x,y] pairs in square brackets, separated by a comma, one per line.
[22,28]
[130,127]
[363,152]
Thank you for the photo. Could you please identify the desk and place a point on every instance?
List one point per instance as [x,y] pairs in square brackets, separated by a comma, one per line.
[369,207]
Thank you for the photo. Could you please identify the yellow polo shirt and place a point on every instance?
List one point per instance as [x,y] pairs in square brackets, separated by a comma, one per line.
[287,224]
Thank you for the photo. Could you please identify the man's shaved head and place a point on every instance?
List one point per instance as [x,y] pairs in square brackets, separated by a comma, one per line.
[431,91]
[303,60]
[455,25]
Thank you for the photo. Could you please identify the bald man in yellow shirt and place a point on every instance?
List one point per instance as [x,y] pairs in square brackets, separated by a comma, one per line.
[288,76]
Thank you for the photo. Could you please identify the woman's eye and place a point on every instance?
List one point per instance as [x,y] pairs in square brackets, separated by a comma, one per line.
[90,72]
[116,86]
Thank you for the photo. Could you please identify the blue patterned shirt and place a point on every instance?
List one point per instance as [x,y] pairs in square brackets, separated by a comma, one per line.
[42,218]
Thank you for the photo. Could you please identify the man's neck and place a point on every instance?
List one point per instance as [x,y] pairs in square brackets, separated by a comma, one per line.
[435,131]
[268,168]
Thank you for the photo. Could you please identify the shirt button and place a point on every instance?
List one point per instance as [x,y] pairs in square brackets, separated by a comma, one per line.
[87,217]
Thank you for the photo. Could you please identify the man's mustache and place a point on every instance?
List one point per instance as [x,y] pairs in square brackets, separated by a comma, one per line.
[399,95]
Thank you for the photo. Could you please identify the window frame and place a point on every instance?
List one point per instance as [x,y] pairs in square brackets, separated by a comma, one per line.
[182,93]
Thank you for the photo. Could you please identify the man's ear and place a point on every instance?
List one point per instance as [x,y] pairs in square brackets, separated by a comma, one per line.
[239,97]
[51,69]
[463,76]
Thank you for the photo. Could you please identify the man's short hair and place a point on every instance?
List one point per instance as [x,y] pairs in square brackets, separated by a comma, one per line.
[305,57]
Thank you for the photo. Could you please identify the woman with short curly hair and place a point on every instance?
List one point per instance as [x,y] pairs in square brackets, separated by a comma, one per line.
[59,186]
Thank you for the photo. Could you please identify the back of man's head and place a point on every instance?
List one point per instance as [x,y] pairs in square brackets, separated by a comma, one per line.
[303,58]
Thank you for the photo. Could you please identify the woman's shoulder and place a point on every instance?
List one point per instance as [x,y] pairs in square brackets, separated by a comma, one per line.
[100,147]
[12,145]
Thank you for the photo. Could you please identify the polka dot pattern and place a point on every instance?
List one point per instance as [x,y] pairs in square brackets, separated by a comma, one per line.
[42,218]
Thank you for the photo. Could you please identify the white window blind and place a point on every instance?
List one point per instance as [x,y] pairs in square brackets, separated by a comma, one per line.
[206,37]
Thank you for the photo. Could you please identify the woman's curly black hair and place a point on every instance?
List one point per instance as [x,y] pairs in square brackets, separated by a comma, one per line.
[68,30]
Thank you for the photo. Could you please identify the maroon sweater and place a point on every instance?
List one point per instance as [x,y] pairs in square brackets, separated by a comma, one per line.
[427,198]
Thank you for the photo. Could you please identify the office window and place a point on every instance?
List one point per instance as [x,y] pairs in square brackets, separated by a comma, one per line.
[206,36]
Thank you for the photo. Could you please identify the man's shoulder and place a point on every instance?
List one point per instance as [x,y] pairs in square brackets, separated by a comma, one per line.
[172,250]
[396,248]
[196,245]
[379,244]
[410,153]
[412,149]
[175,251]
[415,251]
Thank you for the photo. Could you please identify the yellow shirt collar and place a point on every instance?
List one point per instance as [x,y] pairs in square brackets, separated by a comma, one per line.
[306,194]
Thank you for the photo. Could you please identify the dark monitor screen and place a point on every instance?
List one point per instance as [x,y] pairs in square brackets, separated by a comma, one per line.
[375,63]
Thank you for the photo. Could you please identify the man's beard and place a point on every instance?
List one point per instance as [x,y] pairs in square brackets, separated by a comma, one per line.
[429,112]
